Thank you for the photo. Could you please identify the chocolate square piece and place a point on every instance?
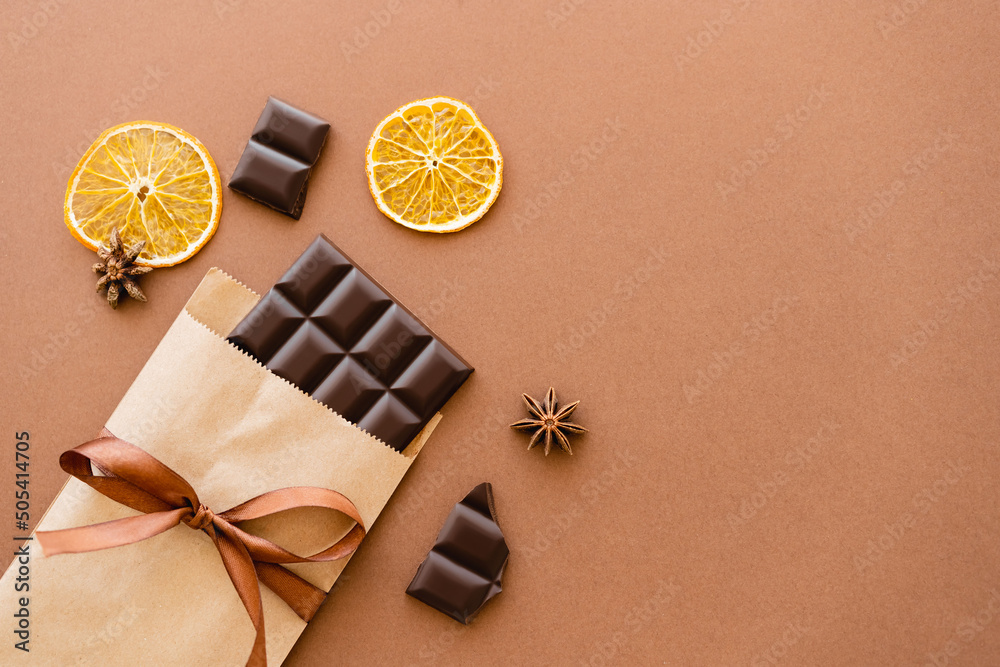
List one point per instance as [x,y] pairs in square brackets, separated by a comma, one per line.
[272,178]
[292,131]
[275,166]
[464,567]
[330,329]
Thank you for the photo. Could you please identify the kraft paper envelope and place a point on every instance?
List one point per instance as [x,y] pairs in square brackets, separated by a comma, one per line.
[233,430]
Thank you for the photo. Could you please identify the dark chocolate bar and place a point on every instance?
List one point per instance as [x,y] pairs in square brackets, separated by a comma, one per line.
[275,166]
[464,567]
[335,333]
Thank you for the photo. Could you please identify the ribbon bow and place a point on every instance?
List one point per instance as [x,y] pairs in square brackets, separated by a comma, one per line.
[137,480]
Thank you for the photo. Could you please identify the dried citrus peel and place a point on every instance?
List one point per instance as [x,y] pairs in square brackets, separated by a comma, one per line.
[155,183]
[433,166]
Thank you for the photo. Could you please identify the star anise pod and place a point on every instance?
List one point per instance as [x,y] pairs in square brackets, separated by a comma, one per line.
[118,266]
[548,420]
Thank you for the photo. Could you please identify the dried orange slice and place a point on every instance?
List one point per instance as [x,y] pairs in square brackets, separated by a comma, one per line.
[433,166]
[155,183]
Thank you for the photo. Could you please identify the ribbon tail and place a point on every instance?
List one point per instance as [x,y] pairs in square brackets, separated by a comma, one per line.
[304,598]
[240,568]
[108,534]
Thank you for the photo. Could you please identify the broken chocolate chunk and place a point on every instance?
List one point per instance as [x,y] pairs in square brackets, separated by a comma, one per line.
[464,567]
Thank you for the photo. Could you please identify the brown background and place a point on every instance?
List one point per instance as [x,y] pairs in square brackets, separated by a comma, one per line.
[688,528]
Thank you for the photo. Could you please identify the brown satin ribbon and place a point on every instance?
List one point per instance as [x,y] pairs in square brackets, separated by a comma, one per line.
[135,479]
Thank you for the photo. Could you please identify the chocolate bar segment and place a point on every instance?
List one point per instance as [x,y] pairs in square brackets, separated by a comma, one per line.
[464,567]
[335,333]
[277,161]
[294,132]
